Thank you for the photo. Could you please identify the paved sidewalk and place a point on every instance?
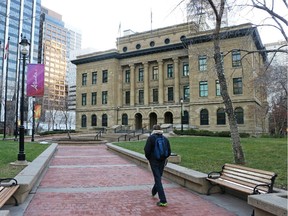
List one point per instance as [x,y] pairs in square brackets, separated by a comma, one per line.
[90,180]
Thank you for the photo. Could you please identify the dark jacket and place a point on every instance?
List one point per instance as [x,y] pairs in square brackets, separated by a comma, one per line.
[150,144]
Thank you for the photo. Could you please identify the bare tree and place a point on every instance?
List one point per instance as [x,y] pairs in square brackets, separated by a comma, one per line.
[269,8]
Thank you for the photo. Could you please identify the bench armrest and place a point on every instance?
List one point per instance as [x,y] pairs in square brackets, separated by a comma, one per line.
[256,191]
[6,182]
[214,175]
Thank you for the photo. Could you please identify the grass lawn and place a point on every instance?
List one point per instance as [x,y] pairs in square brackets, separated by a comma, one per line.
[207,154]
[9,153]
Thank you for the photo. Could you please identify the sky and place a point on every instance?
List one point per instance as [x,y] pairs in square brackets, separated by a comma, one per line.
[102,21]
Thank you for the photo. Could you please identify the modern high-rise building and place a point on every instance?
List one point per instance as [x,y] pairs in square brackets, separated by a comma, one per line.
[18,18]
[54,57]
[168,76]
[201,13]
[57,41]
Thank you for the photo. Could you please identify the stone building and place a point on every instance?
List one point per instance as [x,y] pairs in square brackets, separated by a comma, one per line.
[155,76]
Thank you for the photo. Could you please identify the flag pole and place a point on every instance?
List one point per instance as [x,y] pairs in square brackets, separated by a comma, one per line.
[6,83]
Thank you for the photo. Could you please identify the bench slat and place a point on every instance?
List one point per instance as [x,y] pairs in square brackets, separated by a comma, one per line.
[249,173]
[238,187]
[245,183]
[6,193]
[249,169]
[248,178]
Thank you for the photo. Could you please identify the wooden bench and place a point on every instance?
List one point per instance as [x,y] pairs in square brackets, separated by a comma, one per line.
[8,187]
[243,179]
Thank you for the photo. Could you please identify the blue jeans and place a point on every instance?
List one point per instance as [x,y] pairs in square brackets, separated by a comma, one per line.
[157,168]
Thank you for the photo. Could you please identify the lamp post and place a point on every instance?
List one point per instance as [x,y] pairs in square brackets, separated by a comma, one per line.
[118,108]
[33,121]
[24,50]
[181,119]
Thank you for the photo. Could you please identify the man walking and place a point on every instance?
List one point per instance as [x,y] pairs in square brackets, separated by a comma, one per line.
[152,149]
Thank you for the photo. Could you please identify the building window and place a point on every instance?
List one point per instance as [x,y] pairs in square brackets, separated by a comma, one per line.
[84,79]
[218,90]
[141,75]
[185,69]
[155,95]
[237,86]
[127,76]
[83,121]
[124,119]
[104,76]
[94,77]
[141,96]
[170,94]
[221,118]
[236,58]
[155,73]
[104,97]
[202,63]
[239,113]
[93,120]
[104,120]
[138,46]
[127,97]
[204,117]
[203,88]
[170,70]
[186,93]
[125,49]
[167,41]
[152,44]
[93,98]
[84,99]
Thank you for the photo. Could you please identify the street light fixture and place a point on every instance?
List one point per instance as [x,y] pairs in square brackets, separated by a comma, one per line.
[24,51]
[181,119]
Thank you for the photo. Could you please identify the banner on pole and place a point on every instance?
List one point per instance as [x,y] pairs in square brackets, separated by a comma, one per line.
[37,111]
[35,80]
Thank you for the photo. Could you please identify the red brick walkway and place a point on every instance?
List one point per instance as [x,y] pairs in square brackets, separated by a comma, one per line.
[90,180]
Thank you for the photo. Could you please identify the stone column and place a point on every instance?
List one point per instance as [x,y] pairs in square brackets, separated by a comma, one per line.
[146,83]
[120,87]
[161,82]
[132,85]
[177,80]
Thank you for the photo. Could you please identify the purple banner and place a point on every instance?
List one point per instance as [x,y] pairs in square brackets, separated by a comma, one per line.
[35,80]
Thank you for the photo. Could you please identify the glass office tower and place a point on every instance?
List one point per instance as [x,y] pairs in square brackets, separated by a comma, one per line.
[18,18]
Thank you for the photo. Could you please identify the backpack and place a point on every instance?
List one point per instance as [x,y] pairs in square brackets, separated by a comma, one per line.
[161,148]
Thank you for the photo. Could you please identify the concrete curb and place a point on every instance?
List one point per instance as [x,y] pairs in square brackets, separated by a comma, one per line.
[29,176]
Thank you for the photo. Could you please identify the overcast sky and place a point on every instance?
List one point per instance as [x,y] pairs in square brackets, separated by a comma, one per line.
[99,21]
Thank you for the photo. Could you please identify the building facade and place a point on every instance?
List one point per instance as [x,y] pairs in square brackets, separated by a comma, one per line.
[57,41]
[158,76]
[19,18]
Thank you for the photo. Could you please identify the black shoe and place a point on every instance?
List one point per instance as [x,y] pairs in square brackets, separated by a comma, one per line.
[162,204]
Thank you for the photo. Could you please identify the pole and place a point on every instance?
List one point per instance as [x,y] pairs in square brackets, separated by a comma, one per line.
[33,121]
[6,88]
[5,101]
[21,154]
[181,101]
[17,102]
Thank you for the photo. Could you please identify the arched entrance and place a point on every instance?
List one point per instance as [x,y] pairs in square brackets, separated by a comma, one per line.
[138,121]
[168,118]
[152,119]
[185,118]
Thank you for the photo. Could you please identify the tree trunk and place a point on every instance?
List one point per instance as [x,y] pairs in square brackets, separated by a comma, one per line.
[235,137]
